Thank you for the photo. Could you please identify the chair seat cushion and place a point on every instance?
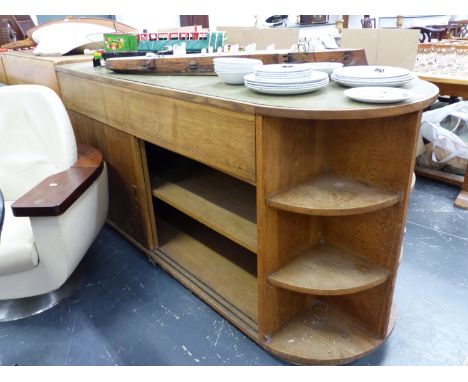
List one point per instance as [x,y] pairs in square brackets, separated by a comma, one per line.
[17,250]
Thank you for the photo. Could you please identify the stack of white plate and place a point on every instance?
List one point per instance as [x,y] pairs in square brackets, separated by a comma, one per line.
[233,69]
[285,79]
[356,76]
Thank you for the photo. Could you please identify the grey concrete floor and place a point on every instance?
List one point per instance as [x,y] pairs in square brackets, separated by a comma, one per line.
[128,312]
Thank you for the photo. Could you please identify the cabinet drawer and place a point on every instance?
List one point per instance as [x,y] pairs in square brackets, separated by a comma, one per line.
[219,138]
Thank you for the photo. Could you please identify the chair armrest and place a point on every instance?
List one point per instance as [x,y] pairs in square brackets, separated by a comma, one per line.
[56,193]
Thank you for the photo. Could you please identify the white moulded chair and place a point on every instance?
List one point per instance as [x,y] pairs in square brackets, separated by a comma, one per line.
[56,199]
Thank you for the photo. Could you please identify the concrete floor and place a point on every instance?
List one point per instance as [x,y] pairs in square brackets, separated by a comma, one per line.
[127,312]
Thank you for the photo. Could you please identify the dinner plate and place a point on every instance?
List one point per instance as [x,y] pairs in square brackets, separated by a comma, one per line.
[361,72]
[304,86]
[378,94]
[355,84]
[284,68]
[285,91]
[313,77]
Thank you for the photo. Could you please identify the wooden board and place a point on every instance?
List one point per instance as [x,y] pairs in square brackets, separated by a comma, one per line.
[202,64]
[3,78]
[219,138]
[323,335]
[220,202]
[25,68]
[333,195]
[325,270]
[130,206]
[103,93]
[219,266]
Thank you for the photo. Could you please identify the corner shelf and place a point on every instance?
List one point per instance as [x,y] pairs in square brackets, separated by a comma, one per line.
[333,195]
[323,335]
[325,270]
[216,200]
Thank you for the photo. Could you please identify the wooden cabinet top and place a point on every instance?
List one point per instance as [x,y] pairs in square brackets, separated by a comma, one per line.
[326,103]
[56,60]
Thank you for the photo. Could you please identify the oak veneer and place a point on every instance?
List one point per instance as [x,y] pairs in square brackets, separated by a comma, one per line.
[222,203]
[224,269]
[324,270]
[332,195]
[56,193]
[323,335]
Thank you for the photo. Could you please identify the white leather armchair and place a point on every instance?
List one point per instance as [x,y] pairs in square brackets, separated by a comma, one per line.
[55,192]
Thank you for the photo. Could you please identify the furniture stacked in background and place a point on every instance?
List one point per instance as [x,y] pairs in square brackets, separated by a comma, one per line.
[453,83]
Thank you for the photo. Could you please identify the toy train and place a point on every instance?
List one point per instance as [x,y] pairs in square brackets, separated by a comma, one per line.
[194,41]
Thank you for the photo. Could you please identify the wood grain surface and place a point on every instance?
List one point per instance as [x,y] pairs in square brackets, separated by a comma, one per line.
[332,195]
[323,335]
[324,270]
[56,193]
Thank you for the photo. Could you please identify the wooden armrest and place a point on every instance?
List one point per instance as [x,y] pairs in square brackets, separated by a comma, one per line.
[56,193]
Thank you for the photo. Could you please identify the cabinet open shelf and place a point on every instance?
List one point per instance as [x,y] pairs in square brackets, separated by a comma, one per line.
[325,270]
[221,268]
[223,203]
[323,335]
[333,195]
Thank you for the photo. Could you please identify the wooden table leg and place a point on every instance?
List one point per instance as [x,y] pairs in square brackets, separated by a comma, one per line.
[462,198]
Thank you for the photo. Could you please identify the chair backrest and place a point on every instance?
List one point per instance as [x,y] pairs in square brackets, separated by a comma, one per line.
[367,22]
[36,138]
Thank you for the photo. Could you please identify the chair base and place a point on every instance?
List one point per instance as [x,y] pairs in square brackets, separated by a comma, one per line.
[16,309]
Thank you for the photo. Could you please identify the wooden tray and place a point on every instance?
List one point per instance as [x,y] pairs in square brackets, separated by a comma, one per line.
[198,64]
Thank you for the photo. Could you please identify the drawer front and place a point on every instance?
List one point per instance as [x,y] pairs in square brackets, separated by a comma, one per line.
[219,138]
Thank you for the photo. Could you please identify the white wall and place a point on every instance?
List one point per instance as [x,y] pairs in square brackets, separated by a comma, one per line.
[152,21]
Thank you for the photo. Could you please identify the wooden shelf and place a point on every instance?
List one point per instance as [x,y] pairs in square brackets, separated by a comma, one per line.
[221,268]
[333,195]
[219,201]
[323,335]
[325,270]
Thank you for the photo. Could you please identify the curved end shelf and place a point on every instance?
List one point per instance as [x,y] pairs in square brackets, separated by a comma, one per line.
[323,335]
[333,195]
[325,270]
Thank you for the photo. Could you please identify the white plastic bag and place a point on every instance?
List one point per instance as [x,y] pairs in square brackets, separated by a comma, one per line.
[441,137]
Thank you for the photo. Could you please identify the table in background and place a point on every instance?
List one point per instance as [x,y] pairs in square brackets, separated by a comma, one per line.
[456,86]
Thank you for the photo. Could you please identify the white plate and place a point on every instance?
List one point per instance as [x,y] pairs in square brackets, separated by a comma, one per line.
[361,72]
[355,84]
[304,86]
[373,80]
[287,91]
[326,67]
[378,94]
[284,68]
[236,61]
[312,77]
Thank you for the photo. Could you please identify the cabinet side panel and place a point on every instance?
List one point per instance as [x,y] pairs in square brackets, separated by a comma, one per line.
[288,152]
[24,70]
[3,77]
[381,153]
[129,205]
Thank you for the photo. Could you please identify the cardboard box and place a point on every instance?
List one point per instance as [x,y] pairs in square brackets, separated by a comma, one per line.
[120,42]
[385,46]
